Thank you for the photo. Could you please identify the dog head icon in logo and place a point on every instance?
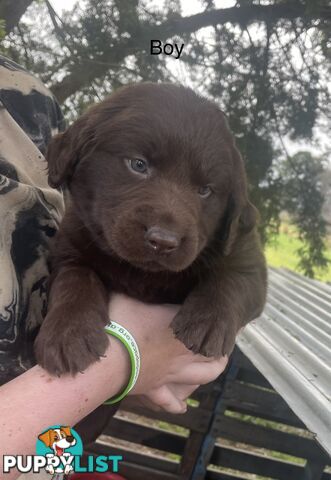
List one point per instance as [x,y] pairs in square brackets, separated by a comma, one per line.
[58,439]
[59,444]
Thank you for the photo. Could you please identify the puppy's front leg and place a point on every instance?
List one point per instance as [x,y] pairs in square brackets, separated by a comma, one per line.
[216,309]
[72,334]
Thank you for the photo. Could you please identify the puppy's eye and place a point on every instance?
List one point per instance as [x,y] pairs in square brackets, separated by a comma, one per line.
[205,191]
[138,165]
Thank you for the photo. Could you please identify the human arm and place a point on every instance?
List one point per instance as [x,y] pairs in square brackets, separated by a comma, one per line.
[168,371]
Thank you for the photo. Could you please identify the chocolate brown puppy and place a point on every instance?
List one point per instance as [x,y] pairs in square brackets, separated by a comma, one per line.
[158,210]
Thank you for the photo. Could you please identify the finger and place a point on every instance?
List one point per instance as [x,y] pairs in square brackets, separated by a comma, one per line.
[165,398]
[182,350]
[199,373]
[196,357]
[201,358]
[146,402]
[182,391]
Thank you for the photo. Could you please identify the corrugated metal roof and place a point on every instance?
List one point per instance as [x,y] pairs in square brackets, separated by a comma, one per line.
[290,344]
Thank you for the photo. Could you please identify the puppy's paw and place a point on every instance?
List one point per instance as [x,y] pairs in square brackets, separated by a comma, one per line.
[206,332]
[68,346]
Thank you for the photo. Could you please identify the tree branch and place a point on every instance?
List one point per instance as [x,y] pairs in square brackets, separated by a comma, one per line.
[80,76]
[12,11]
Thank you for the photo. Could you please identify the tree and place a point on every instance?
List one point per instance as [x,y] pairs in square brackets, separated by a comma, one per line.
[266,62]
[11,12]
[303,199]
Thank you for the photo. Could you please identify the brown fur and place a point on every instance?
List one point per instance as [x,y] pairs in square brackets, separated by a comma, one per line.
[216,269]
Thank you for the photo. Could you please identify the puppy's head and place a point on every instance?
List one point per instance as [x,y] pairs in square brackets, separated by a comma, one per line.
[154,174]
[57,438]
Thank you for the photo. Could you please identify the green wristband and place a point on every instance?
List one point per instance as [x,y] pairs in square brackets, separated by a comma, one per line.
[130,344]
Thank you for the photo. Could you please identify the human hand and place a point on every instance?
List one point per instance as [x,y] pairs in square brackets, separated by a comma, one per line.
[171,398]
[169,371]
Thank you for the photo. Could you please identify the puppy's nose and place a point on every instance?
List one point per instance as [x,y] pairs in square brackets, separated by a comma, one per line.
[70,438]
[161,240]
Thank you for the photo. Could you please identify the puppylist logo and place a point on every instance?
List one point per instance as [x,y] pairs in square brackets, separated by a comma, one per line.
[59,450]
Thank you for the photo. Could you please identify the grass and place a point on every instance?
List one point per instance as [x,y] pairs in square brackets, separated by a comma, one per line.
[282,252]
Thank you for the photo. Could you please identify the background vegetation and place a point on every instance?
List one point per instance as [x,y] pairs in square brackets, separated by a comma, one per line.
[265,62]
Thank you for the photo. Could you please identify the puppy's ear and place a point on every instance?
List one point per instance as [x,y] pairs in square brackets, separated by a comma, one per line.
[241,216]
[65,150]
[60,158]
[45,438]
[67,431]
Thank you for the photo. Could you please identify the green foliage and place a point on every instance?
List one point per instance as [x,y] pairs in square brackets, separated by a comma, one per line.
[303,200]
[2,29]
[268,72]
[282,251]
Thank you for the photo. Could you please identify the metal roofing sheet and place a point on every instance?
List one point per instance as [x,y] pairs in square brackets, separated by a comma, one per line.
[290,344]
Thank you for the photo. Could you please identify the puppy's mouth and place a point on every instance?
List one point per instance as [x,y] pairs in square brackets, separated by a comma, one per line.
[59,450]
[152,262]
[151,266]
[154,266]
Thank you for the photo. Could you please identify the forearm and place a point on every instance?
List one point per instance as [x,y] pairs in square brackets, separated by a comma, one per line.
[36,400]
[31,403]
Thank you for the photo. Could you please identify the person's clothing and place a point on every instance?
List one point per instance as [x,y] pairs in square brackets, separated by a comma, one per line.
[30,212]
